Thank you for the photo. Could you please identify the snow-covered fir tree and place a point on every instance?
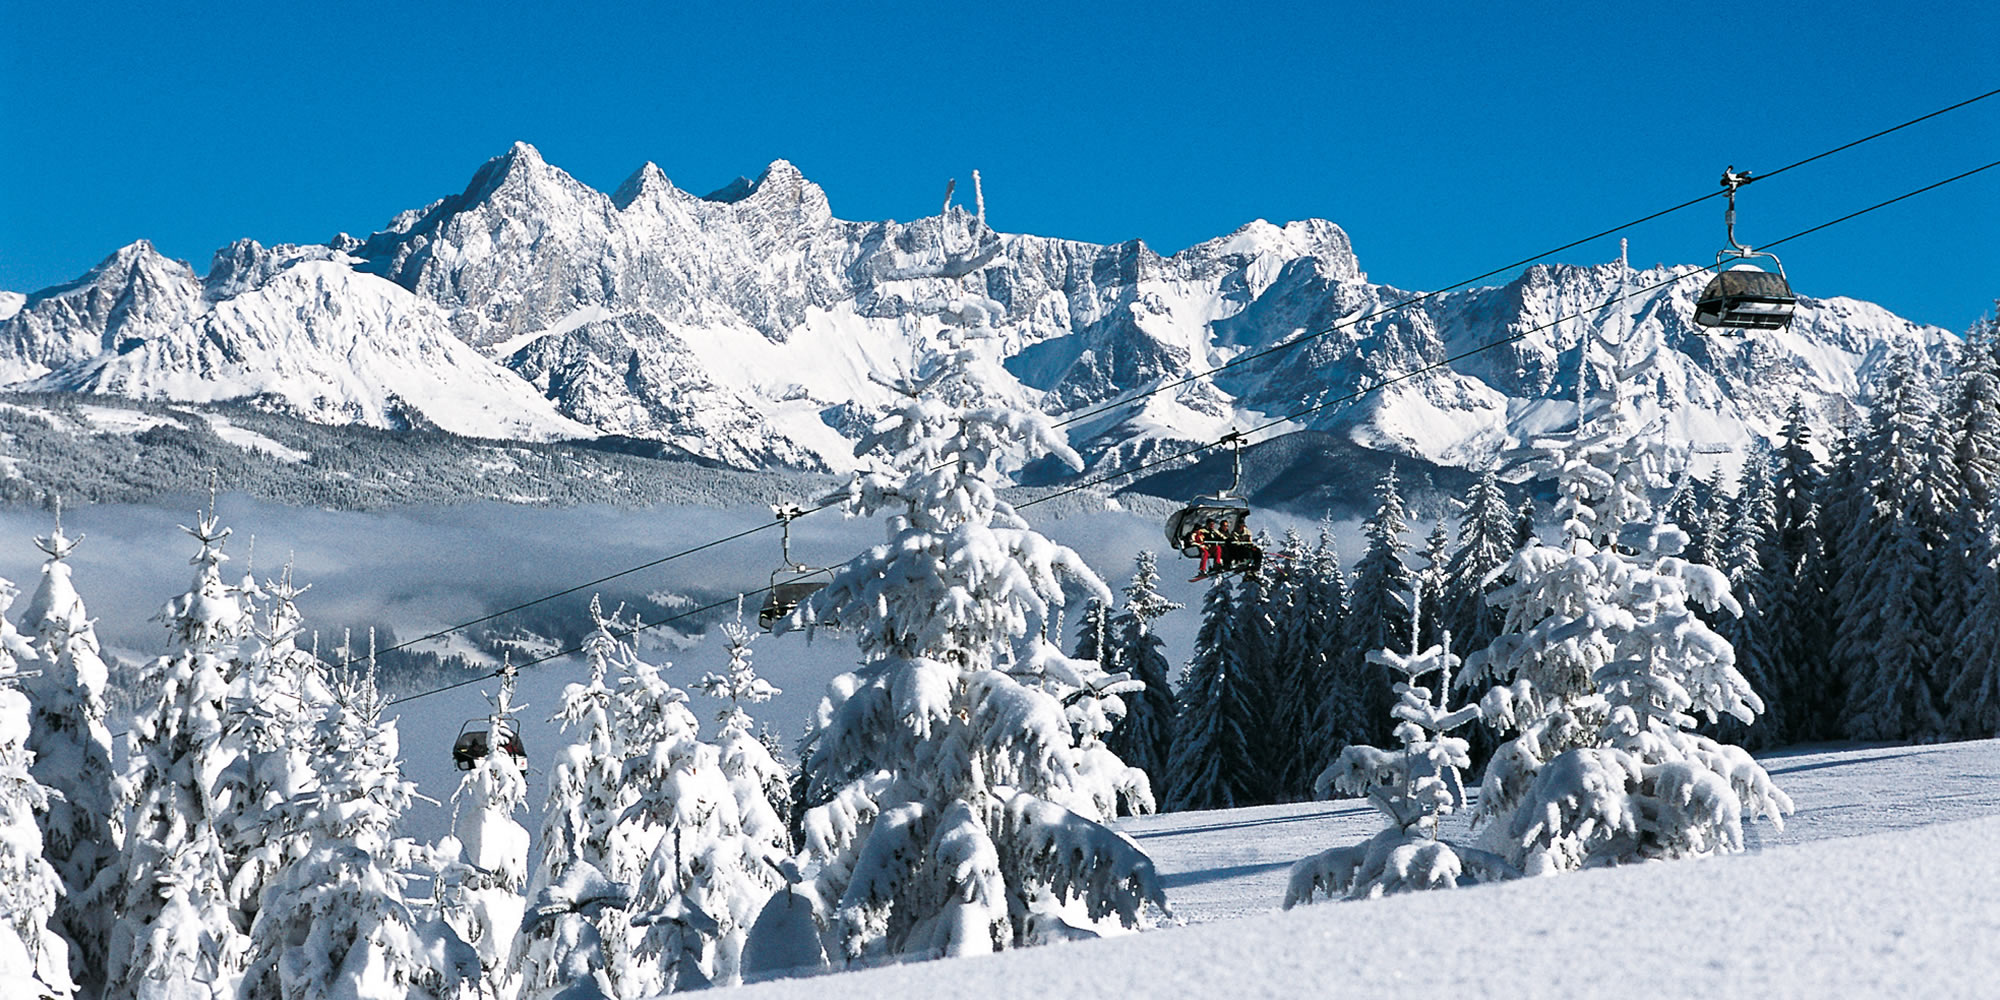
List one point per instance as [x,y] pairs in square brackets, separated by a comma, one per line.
[1145,736]
[1898,563]
[83,825]
[762,782]
[338,922]
[1429,586]
[1604,667]
[34,957]
[1789,589]
[1093,636]
[620,714]
[1972,691]
[482,897]
[949,811]
[1412,787]
[1261,605]
[1842,496]
[1973,699]
[1378,611]
[176,926]
[1322,639]
[1291,667]
[1742,552]
[1214,762]
[1484,543]
[276,695]
[719,840]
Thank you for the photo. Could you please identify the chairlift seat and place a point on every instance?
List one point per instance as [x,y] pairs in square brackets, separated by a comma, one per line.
[1746,298]
[473,744]
[786,594]
[1198,512]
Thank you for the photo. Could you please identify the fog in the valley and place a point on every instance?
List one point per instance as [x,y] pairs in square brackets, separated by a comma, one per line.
[418,570]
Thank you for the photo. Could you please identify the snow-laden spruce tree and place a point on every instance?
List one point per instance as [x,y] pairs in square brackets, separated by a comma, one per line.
[276,696]
[338,921]
[1288,714]
[620,714]
[1332,724]
[1412,787]
[1213,763]
[176,928]
[1789,588]
[482,898]
[1741,553]
[1428,587]
[1899,564]
[34,958]
[718,839]
[83,826]
[1972,694]
[1605,667]
[950,811]
[762,783]
[1263,610]
[1144,737]
[1484,543]
[1378,612]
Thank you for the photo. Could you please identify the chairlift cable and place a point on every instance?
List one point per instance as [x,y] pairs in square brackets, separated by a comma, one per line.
[1198,449]
[1242,359]
[1447,362]
[1239,360]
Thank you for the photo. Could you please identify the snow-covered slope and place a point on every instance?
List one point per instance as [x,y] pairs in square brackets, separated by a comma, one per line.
[297,328]
[751,325]
[1880,886]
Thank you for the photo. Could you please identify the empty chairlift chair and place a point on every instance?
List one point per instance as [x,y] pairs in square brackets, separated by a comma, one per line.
[1744,297]
[792,583]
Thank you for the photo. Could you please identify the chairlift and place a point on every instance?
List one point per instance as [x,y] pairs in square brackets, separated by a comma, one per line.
[1744,297]
[476,740]
[1212,527]
[792,583]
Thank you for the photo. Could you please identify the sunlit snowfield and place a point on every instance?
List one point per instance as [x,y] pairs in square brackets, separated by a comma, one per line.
[1886,883]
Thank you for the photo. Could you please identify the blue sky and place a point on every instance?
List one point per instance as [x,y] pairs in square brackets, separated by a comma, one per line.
[1447,139]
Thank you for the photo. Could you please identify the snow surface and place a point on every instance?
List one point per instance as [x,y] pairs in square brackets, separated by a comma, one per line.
[249,440]
[1906,913]
[10,303]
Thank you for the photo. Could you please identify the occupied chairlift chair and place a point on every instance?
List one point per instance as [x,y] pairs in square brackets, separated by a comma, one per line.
[1745,297]
[792,583]
[1226,509]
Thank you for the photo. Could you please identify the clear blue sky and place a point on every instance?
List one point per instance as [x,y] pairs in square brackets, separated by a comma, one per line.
[1445,138]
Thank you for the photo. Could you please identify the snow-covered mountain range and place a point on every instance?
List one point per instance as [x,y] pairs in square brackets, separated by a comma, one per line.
[753,327]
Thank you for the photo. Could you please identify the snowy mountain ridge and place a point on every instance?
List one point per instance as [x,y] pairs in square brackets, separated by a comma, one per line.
[754,327]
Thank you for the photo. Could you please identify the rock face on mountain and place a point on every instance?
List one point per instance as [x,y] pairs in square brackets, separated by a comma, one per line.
[753,327]
[297,328]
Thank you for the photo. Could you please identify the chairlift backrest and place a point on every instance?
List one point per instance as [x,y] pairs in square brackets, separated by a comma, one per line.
[475,741]
[1746,298]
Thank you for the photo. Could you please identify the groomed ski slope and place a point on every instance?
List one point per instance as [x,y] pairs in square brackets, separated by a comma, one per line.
[1885,883]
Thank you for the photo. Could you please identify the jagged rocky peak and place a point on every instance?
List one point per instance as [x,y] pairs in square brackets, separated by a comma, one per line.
[137,257]
[780,187]
[648,184]
[245,265]
[1323,241]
